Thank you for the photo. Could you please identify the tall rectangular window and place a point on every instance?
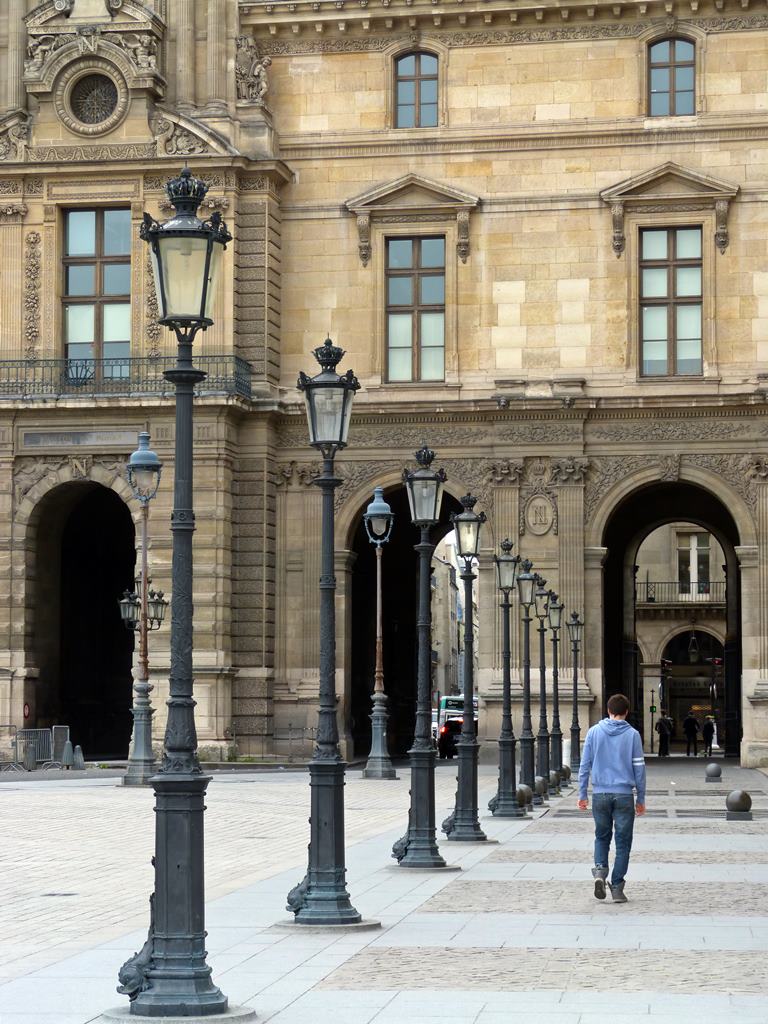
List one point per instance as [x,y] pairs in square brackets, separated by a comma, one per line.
[416,91]
[671,74]
[97,290]
[415,284]
[693,563]
[670,302]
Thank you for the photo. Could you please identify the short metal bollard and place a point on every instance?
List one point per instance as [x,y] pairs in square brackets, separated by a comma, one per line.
[78,759]
[738,806]
[713,773]
[67,756]
[30,758]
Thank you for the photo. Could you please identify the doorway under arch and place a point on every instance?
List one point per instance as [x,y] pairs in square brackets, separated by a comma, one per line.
[693,660]
[83,553]
[633,519]
[399,606]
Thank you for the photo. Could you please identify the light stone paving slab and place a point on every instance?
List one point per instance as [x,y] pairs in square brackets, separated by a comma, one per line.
[552,855]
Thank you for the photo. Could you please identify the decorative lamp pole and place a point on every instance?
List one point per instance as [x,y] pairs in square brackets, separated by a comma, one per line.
[378,521]
[541,604]
[321,898]
[555,622]
[464,825]
[169,977]
[418,847]
[143,471]
[575,632]
[526,584]
[505,804]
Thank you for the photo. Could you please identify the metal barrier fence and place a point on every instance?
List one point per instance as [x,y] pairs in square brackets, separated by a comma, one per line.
[9,752]
[44,747]
[299,738]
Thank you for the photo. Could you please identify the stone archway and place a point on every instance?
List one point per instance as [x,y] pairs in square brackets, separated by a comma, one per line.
[634,517]
[79,556]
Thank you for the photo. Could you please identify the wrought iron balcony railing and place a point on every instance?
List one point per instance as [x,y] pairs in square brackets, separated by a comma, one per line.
[676,592]
[92,378]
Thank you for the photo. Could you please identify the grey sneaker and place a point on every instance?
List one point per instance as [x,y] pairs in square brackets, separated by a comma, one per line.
[599,875]
[617,893]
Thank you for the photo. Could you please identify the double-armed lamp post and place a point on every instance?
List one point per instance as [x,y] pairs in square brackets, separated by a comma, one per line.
[143,611]
[169,977]
[321,898]
[526,585]
[378,521]
[541,606]
[418,847]
[464,825]
[555,615]
[505,803]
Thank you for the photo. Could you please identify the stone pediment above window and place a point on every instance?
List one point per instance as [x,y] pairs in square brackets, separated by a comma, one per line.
[411,200]
[670,188]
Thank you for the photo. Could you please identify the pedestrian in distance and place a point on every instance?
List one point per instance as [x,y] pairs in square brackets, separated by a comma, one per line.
[691,728]
[664,729]
[708,735]
[613,757]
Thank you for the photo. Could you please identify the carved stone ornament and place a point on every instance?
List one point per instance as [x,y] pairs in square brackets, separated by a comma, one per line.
[179,135]
[251,78]
[412,199]
[508,471]
[12,211]
[29,470]
[297,474]
[14,134]
[31,294]
[667,189]
[538,515]
[152,331]
[569,470]
[91,97]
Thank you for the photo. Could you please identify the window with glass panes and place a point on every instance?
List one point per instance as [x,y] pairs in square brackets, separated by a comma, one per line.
[693,563]
[416,91]
[671,71]
[670,301]
[97,287]
[415,309]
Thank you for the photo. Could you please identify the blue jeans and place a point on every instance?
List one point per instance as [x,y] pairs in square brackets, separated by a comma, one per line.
[613,813]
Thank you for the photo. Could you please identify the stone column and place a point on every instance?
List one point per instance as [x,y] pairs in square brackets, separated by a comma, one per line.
[15,95]
[216,59]
[569,474]
[185,55]
[12,280]
[751,707]
[591,656]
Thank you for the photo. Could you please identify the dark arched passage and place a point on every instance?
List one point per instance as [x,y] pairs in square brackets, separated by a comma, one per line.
[84,556]
[633,519]
[399,601]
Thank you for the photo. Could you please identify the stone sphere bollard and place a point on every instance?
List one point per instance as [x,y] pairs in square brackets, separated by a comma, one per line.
[565,774]
[524,796]
[554,783]
[738,806]
[713,773]
[540,787]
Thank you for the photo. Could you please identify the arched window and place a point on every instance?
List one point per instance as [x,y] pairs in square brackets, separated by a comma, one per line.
[671,73]
[416,91]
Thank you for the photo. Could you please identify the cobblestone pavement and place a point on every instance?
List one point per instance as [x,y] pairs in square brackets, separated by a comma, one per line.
[516,934]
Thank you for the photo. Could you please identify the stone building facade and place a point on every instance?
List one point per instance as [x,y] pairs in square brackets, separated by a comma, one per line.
[538,230]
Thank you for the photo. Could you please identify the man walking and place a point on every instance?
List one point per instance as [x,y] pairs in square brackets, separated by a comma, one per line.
[691,729]
[613,756]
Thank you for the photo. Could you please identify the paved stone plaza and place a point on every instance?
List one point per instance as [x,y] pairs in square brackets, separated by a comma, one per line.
[517,931]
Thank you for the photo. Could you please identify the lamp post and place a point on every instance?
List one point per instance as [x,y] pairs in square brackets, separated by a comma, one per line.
[169,976]
[378,521]
[541,605]
[321,898]
[505,804]
[575,631]
[526,584]
[464,825]
[418,847]
[555,616]
[143,612]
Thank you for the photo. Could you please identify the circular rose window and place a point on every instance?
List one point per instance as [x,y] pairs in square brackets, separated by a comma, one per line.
[93,99]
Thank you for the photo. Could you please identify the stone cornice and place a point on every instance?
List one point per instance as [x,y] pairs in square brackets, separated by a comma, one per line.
[317,26]
[553,135]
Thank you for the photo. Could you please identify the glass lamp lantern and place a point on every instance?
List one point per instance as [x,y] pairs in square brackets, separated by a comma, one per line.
[144,469]
[507,566]
[526,584]
[130,610]
[575,628]
[328,397]
[186,255]
[467,527]
[156,608]
[425,489]
[555,612]
[541,599]
[378,518]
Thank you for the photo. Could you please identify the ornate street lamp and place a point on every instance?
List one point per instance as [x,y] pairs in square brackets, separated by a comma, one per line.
[575,633]
[321,898]
[418,847]
[464,825]
[378,521]
[526,585]
[555,616]
[170,976]
[541,610]
[505,804]
[143,611]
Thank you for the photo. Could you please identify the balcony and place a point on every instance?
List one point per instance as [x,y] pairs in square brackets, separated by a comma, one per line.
[667,599]
[30,379]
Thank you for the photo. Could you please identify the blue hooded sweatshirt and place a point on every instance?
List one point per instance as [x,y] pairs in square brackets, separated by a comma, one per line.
[613,754]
